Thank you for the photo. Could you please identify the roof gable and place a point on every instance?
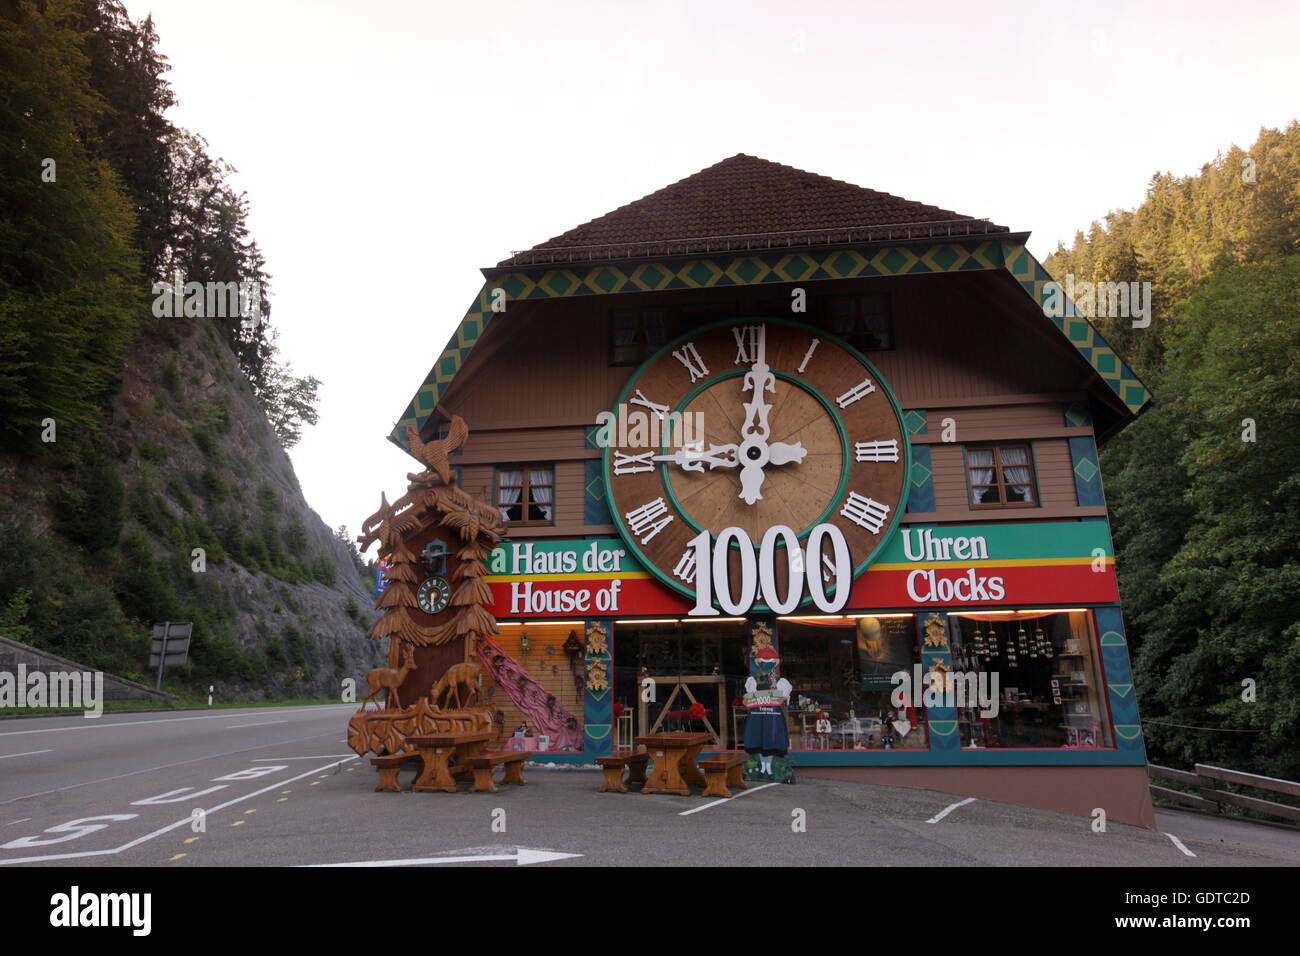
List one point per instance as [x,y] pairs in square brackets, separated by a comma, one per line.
[749,203]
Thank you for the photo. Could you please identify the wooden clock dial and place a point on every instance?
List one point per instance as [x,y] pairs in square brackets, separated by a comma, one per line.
[822,441]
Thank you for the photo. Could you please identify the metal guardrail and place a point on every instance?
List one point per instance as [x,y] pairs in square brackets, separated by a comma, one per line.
[1210,797]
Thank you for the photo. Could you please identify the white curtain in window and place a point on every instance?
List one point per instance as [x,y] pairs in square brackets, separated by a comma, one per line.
[539,489]
[981,472]
[1015,471]
[507,496]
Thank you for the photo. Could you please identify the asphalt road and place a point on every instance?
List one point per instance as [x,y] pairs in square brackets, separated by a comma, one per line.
[277,786]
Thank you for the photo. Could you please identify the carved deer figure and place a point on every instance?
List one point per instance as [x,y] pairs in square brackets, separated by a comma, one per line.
[390,678]
[468,675]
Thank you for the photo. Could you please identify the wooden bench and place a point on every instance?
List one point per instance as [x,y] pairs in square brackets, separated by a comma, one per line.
[389,767]
[613,766]
[482,767]
[722,771]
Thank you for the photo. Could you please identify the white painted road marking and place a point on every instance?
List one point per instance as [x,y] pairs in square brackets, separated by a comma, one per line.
[949,809]
[100,723]
[12,822]
[168,766]
[522,857]
[27,753]
[265,723]
[183,822]
[316,757]
[734,796]
[1179,843]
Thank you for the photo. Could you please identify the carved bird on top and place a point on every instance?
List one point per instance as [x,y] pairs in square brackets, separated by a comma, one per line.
[389,524]
[435,453]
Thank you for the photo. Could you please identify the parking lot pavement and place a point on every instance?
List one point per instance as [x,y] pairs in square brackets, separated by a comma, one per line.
[280,788]
[333,816]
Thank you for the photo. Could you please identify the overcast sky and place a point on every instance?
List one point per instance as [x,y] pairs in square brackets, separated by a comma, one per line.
[390,149]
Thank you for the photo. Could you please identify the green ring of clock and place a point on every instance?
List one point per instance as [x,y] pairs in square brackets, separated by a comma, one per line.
[606,452]
[784,376]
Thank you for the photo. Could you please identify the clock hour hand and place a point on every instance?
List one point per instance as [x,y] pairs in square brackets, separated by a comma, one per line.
[751,482]
[693,457]
[779,453]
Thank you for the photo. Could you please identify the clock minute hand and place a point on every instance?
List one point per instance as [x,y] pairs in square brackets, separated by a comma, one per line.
[693,457]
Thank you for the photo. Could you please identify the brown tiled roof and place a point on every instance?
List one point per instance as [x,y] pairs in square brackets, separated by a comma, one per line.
[749,203]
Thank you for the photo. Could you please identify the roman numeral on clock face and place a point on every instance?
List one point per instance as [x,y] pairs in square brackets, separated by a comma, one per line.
[640,399]
[690,358]
[685,568]
[633,464]
[861,390]
[746,344]
[812,347]
[652,517]
[865,512]
[876,450]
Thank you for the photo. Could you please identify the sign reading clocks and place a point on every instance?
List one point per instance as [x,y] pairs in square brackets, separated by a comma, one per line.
[790,485]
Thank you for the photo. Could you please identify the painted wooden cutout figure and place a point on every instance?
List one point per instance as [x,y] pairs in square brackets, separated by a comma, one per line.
[468,675]
[390,678]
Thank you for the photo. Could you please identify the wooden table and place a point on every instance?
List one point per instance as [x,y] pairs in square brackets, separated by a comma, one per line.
[436,751]
[674,761]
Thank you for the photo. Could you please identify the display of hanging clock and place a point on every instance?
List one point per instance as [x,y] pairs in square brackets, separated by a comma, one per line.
[433,595]
[757,463]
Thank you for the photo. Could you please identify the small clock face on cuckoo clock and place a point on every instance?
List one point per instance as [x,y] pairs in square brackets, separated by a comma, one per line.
[752,424]
[433,595]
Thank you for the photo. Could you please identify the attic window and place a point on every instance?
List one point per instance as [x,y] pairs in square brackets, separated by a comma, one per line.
[864,321]
[635,334]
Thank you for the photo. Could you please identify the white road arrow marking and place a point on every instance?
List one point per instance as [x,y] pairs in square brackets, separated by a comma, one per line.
[522,856]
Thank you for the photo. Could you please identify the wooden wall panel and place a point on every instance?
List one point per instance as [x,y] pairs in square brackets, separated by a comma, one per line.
[1055,476]
[549,670]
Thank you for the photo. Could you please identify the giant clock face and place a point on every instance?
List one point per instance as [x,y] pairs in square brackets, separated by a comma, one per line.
[751,424]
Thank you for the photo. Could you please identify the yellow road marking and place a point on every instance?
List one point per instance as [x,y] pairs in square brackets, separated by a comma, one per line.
[238,823]
[282,799]
[191,839]
[176,857]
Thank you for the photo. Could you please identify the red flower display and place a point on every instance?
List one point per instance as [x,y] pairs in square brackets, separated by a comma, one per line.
[697,711]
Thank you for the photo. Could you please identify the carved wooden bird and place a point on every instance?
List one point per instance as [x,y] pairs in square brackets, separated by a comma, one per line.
[435,453]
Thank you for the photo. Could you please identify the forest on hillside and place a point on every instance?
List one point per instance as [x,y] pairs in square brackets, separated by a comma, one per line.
[139,444]
[1204,488]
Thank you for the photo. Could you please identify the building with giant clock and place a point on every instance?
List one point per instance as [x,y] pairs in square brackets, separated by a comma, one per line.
[764,414]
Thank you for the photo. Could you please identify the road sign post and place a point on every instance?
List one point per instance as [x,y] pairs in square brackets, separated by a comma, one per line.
[171,645]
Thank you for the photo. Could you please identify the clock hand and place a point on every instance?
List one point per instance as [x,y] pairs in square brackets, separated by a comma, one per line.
[754,451]
[693,457]
[779,453]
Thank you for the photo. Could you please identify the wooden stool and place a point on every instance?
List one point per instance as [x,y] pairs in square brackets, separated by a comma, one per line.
[722,771]
[512,760]
[389,767]
[635,763]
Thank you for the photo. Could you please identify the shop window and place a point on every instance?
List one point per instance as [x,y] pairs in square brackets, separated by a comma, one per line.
[698,669]
[1001,476]
[636,334]
[861,320]
[526,495]
[1044,669]
[841,672]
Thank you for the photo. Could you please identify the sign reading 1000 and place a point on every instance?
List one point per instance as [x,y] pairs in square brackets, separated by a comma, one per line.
[758,571]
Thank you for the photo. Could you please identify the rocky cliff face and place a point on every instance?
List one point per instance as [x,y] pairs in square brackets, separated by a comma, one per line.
[281,598]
